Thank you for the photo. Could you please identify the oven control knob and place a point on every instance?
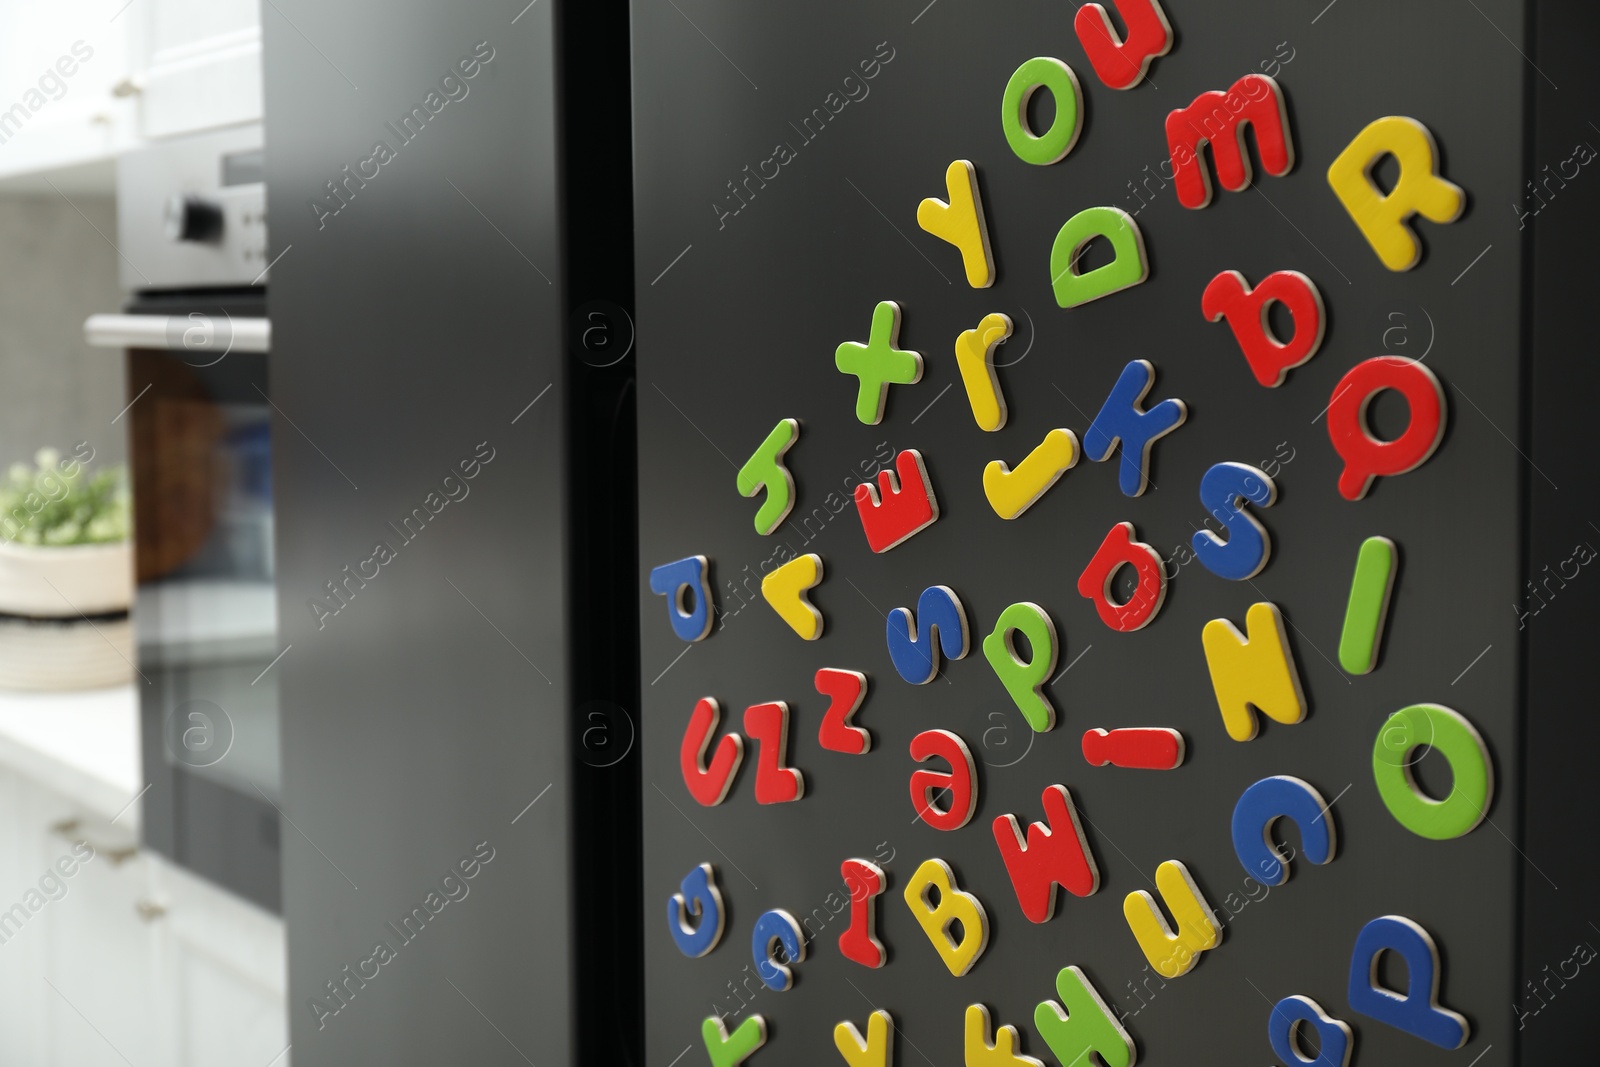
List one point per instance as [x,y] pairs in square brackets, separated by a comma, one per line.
[191,218]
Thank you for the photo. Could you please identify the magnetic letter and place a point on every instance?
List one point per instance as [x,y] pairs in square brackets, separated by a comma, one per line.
[1257,672]
[1368,607]
[1129,268]
[1055,853]
[1213,119]
[1417,1012]
[1150,748]
[876,1050]
[960,222]
[912,647]
[1333,1035]
[785,588]
[1081,1023]
[1224,490]
[961,781]
[900,505]
[768,726]
[726,1051]
[1270,359]
[765,469]
[708,785]
[1042,72]
[859,942]
[953,906]
[1383,217]
[1025,681]
[1120,420]
[846,690]
[975,360]
[1172,954]
[1004,1052]
[1260,807]
[1123,64]
[778,926]
[878,364]
[1119,549]
[698,896]
[682,582]
[1365,456]
[1472,775]
[1011,492]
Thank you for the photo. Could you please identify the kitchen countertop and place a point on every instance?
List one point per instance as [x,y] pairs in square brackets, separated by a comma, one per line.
[82,744]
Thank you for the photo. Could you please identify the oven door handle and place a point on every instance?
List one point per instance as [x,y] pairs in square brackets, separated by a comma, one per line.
[177,333]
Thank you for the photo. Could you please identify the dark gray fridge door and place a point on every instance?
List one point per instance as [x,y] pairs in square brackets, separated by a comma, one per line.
[422,393]
[781,155]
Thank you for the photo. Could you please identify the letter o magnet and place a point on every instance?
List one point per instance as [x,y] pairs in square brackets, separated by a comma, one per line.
[1365,455]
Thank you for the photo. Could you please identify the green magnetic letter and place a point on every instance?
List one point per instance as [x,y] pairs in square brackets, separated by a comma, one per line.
[1025,681]
[1368,607]
[1450,734]
[1086,1026]
[1128,269]
[766,469]
[878,363]
[730,1051]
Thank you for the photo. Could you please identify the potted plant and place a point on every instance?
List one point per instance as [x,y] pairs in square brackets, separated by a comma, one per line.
[66,573]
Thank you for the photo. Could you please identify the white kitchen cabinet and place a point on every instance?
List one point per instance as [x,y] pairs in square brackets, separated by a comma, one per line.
[134,960]
[89,79]
[196,64]
[62,64]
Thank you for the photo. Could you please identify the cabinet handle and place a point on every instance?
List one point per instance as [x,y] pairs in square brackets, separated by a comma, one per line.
[149,910]
[68,828]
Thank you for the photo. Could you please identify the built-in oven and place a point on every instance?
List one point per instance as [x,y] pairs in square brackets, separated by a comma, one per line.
[192,238]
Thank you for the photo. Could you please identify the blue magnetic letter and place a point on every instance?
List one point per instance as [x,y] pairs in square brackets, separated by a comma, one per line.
[777,925]
[1418,1012]
[1333,1036]
[676,580]
[1121,420]
[698,895]
[1264,804]
[911,641]
[1224,490]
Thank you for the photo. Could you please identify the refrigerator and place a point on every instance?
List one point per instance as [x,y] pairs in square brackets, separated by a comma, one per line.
[1361,841]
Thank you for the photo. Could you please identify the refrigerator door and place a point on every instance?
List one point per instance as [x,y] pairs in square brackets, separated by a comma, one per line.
[782,154]
[452,712]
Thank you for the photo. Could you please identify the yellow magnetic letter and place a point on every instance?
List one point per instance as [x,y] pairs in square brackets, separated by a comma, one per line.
[975,357]
[1172,954]
[1011,492]
[953,905]
[1003,1053]
[1418,191]
[960,222]
[876,1051]
[1258,672]
[785,589]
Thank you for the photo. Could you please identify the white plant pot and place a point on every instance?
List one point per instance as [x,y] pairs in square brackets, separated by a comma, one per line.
[51,581]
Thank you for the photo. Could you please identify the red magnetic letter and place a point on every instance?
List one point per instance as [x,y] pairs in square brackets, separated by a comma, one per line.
[961,781]
[768,727]
[859,941]
[1056,853]
[1246,310]
[1218,119]
[1117,549]
[1150,748]
[708,785]
[1365,456]
[1122,65]
[847,689]
[897,507]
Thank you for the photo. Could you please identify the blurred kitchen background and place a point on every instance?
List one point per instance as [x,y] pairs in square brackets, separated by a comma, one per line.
[139,884]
